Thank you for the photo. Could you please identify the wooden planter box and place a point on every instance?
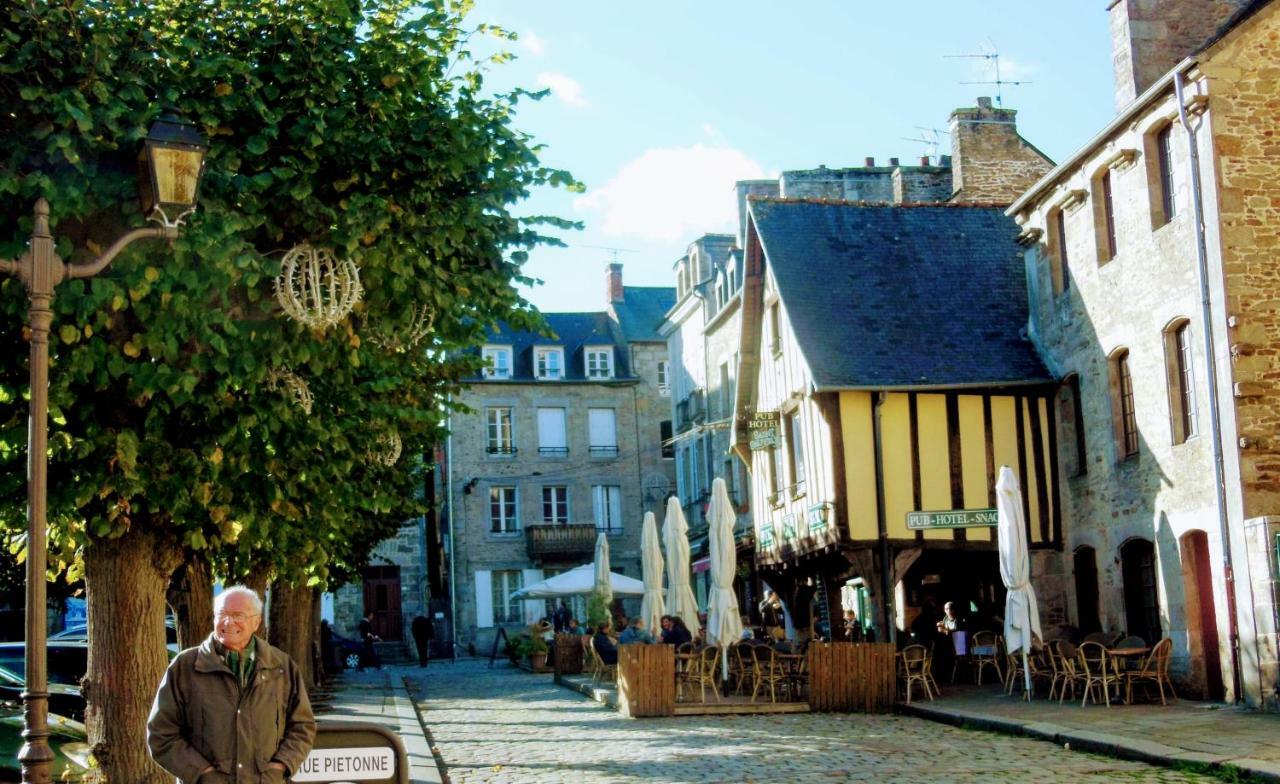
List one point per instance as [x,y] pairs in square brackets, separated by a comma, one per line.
[852,677]
[647,680]
[568,657]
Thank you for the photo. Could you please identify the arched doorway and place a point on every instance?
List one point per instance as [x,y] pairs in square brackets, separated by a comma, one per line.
[1141,597]
[1202,619]
[1085,563]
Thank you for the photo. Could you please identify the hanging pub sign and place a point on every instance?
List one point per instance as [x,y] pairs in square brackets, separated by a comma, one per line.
[951,518]
[762,430]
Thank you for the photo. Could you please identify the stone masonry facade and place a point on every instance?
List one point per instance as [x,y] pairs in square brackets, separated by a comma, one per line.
[990,161]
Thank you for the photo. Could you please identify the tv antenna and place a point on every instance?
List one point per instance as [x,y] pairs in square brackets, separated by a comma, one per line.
[614,251]
[929,137]
[994,59]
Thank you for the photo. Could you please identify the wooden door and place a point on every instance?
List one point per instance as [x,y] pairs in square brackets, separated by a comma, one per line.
[382,598]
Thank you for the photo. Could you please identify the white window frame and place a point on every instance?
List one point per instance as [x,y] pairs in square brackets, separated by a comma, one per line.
[664,377]
[493,367]
[494,443]
[505,523]
[542,364]
[602,441]
[563,501]
[507,611]
[606,506]
[594,356]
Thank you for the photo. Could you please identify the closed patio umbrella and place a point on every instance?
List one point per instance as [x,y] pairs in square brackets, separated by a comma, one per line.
[724,622]
[1021,614]
[675,535]
[603,585]
[652,607]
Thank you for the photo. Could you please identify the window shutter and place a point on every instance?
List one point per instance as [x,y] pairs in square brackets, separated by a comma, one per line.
[615,507]
[551,428]
[484,599]
[598,504]
[534,609]
[602,428]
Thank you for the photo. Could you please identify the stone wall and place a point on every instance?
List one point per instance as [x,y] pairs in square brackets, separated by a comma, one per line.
[989,160]
[922,183]
[403,550]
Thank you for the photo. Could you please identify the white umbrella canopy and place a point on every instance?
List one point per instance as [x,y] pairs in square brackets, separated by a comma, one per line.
[1021,613]
[652,607]
[675,536]
[603,585]
[724,622]
[579,581]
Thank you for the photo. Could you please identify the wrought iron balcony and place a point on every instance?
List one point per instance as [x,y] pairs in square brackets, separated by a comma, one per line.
[560,542]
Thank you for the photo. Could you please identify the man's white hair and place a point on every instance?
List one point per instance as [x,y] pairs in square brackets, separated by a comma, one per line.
[241,590]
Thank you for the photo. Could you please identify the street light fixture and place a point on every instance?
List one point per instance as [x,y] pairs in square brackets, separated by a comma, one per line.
[173,161]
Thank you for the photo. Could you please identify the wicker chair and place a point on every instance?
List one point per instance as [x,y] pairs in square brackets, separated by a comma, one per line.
[984,652]
[768,672]
[1096,672]
[686,668]
[1035,663]
[740,666]
[707,671]
[915,669]
[798,678]
[1104,639]
[600,670]
[1154,669]
[1067,655]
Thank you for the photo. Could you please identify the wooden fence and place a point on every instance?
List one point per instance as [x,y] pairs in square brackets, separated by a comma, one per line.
[568,654]
[646,680]
[852,676]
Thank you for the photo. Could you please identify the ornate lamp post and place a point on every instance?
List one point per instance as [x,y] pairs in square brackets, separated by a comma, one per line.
[171,163]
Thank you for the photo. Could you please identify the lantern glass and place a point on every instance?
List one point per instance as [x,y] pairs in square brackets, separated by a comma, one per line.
[173,161]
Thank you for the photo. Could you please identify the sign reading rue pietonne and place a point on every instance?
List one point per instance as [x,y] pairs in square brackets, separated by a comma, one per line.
[951,518]
[354,753]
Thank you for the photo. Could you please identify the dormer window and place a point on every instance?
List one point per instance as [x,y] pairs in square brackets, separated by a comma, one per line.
[599,362]
[549,363]
[497,361]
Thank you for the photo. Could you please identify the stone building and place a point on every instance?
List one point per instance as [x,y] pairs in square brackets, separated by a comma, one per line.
[1163,328]
[563,440]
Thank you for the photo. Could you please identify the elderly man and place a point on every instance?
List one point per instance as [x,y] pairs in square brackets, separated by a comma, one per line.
[234,709]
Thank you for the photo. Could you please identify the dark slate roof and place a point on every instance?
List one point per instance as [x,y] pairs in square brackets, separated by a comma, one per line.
[901,296]
[573,331]
[641,310]
[1243,13]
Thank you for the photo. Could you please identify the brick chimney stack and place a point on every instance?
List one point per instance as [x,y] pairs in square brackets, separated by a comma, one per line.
[989,160]
[613,281]
[1148,37]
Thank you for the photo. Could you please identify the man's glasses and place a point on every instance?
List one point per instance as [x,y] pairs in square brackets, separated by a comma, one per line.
[235,617]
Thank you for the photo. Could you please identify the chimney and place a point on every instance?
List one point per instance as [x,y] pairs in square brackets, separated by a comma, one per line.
[893,161]
[924,160]
[989,160]
[870,162]
[613,280]
[1148,38]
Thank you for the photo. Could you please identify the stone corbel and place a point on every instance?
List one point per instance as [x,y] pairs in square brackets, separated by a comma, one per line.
[1197,104]
[1249,389]
[1030,236]
[1122,159]
[1072,199]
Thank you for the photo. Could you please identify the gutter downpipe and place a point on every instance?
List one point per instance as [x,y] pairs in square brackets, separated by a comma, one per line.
[1215,412]
[448,481]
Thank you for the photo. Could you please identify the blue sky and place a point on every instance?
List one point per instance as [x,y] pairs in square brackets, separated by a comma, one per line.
[659,106]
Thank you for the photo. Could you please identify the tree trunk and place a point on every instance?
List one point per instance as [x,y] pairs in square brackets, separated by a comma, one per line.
[291,627]
[190,596]
[125,581]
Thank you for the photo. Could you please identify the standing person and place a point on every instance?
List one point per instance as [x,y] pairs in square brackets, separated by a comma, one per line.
[326,648]
[771,615]
[368,653]
[561,617]
[422,635]
[234,707]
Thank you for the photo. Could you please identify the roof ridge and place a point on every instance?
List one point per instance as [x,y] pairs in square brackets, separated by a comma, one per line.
[885,204]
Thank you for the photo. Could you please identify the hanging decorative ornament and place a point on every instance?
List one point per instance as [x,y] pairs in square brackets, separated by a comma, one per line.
[293,385]
[315,288]
[405,337]
[386,449]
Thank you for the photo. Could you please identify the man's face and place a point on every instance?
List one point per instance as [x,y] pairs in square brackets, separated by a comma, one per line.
[666,624]
[235,621]
[948,609]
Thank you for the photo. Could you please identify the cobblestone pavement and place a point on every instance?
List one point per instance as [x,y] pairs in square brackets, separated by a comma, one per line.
[505,726]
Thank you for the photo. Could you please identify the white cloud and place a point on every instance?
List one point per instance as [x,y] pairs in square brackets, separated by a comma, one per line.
[563,87]
[535,45]
[672,194]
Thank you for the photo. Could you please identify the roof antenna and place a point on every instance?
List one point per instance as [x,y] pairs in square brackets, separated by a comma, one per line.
[994,58]
[614,251]
[929,137]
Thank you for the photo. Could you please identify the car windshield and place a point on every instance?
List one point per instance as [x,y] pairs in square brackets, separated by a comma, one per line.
[67,664]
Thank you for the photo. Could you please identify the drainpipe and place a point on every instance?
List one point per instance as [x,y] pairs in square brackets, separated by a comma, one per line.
[1215,412]
[448,495]
[886,584]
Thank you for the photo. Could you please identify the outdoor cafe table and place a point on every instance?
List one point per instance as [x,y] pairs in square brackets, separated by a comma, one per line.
[1124,656]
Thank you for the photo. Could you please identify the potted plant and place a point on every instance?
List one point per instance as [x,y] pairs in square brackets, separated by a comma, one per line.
[537,653]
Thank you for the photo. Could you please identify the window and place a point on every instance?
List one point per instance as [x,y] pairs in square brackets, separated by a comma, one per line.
[795,454]
[600,362]
[551,433]
[499,436]
[506,609]
[1122,406]
[1071,412]
[502,510]
[1164,163]
[555,505]
[549,363]
[1104,217]
[664,438]
[497,360]
[607,502]
[726,393]
[775,329]
[730,474]
[664,379]
[602,432]
[773,466]
[1058,270]
[1181,379]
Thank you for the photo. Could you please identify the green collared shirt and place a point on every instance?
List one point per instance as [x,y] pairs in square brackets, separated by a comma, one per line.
[241,663]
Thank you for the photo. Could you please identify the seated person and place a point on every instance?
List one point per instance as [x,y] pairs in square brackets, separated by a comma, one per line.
[605,648]
[747,632]
[634,633]
[677,633]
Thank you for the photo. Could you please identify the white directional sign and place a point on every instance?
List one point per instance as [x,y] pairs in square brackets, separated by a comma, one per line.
[347,765]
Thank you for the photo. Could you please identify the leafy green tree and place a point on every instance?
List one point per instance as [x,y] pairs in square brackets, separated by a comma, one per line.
[363,126]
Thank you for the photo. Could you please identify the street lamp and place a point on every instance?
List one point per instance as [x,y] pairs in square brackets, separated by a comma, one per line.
[172,162]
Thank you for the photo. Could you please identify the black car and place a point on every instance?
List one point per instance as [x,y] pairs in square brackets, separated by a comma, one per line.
[80,633]
[67,660]
[64,700]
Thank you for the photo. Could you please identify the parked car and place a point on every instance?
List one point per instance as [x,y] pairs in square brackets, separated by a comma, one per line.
[80,632]
[67,738]
[347,651]
[63,699]
[67,660]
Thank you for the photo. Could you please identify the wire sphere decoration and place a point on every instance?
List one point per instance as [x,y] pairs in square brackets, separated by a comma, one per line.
[386,449]
[293,386]
[317,289]
[405,336]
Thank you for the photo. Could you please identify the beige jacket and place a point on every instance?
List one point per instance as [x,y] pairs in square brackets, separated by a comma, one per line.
[202,717]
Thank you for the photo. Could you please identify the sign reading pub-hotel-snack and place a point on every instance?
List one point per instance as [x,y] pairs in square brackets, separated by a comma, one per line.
[763,430]
[951,518]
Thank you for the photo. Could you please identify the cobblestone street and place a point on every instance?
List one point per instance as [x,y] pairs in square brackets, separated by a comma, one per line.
[504,726]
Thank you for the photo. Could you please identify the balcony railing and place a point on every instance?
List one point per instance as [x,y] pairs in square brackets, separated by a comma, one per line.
[603,451]
[500,450]
[560,542]
[553,451]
